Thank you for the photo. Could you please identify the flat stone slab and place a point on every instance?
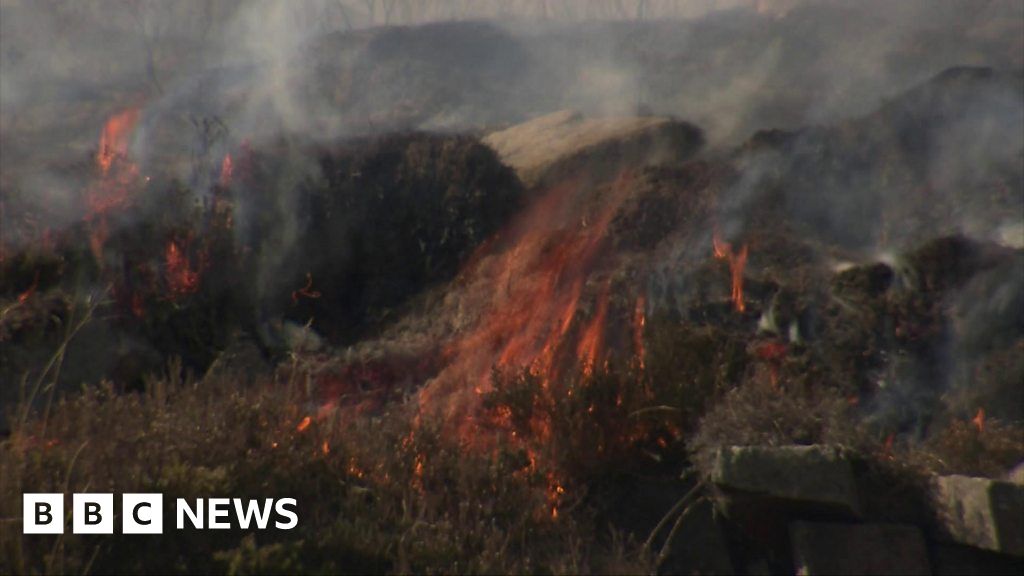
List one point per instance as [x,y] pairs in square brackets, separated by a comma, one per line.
[815,475]
[981,512]
[826,548]
[960,560]
[534,147]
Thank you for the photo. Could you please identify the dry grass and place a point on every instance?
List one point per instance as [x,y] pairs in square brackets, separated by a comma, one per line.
[375,494]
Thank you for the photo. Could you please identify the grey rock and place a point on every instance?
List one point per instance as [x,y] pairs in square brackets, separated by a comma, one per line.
[1017,474]
[825,548]
[816,475]
[980,512]
[958,560]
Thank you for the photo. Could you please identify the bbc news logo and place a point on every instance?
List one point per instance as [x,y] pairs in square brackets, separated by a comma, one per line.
[144,513]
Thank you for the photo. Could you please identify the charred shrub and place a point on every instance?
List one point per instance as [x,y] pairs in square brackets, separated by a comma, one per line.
[384,219]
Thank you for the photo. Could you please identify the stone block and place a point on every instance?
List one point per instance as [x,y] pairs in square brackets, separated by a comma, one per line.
[827,548]
[816,475]
[981,512]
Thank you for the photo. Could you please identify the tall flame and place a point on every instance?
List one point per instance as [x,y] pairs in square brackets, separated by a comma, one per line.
[591,343]
[737,262]
[118,177]
[528,290]
[115,137]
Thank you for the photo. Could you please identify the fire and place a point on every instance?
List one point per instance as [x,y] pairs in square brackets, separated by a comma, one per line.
[979,420]
[119,177]
[227,170]
[721,249]
[529,294]
[306,291]
[639,321]
[181,278]
[773,353]
[887,446]
[521,306]
[24,296]
[115,137]
[304,424]
[737,262]
[98,234]
[592,342]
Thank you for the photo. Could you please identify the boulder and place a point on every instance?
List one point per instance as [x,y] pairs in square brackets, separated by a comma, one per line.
[814,476]
[980,512]
[825,548]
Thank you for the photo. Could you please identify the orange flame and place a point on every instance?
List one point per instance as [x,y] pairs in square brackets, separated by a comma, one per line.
[721,249]
[115,137]
[592,341]
[737,262]
[118,177]
[304,424]
[525,287]
[181,278]
[979,420]
[227,170]
[639,321]
[24,296]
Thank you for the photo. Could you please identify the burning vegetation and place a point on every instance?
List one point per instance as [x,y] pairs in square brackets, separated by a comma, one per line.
[477,350]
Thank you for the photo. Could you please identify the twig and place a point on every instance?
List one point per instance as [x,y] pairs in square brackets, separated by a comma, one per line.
[672,533]
[675,509]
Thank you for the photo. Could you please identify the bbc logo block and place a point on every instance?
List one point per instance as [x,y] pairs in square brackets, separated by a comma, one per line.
[93,513]
[142,514]
[43,513]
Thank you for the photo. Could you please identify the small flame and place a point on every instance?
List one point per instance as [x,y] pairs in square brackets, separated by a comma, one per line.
[306,291]
[721,248]
[736,264]
[24,296]
[304,424]
[979,420]
[639,321]
[137,306]
[227,170]
[181,278]
[98,234]
[887,446]
[325,448]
